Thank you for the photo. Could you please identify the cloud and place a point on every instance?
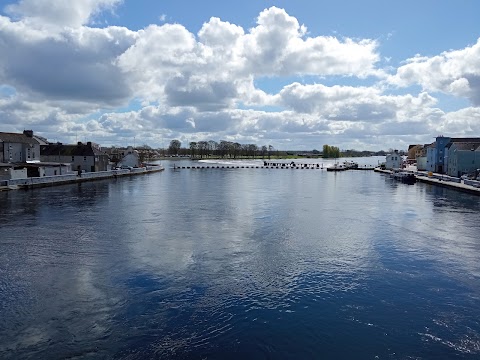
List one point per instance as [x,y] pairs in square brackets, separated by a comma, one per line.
[347,103]
[455,72]
[171,64]
[62,77]
[74,65]
[61,13]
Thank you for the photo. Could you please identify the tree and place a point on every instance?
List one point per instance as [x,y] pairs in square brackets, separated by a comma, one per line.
[212,147]
[193,147]
[174,147]
[264,151]
[202,148]
[236,148]
[270,150]
[252,150]
[331,151]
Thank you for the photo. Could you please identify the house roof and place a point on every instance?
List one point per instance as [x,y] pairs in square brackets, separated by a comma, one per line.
[467,145]
[466,140]
[70,150]
[17,138]
[42,164]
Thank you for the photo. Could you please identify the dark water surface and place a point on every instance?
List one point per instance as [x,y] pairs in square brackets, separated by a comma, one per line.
[240,263]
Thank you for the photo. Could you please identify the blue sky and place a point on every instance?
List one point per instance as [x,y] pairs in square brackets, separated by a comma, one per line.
[292,74]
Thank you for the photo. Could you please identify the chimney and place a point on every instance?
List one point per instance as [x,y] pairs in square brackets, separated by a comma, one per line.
[89,143]
[28,133]
[79,143]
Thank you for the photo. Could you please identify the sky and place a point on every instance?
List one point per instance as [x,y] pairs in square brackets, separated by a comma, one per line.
[364,75]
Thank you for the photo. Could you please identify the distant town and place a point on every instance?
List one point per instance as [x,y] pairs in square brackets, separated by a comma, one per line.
[27,155]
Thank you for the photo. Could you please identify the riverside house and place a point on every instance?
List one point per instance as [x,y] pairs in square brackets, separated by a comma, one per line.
[82,157]
[439,152]
[19,148]
[463,158]
[394,161]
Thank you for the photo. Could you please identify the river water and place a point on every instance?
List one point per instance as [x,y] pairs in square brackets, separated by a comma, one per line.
[240,263]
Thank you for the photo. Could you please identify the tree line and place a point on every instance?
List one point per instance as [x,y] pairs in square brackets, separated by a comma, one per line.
[233,150]
[228,149]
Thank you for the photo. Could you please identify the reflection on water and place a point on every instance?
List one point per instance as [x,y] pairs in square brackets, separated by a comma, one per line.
[230,263]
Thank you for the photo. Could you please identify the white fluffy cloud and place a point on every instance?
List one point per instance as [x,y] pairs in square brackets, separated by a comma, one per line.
[62,77]
[453,72]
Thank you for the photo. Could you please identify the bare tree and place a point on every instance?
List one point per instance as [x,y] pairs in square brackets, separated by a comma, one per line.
[193,148]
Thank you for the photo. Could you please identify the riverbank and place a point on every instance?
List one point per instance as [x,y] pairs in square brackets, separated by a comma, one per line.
[469,186]
[38,182]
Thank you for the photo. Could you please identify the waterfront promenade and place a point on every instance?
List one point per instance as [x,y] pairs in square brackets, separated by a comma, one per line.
[469,186]
[36,182]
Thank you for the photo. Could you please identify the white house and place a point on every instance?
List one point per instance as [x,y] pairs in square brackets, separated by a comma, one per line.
[130,158]
[394,161]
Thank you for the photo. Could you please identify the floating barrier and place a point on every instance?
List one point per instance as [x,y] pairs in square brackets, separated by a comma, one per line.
[269,166]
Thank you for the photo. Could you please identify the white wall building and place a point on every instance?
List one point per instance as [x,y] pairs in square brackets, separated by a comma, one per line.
[130,158]
[394,161]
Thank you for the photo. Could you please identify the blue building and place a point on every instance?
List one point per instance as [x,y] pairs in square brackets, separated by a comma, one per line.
[441,143]
[438,152]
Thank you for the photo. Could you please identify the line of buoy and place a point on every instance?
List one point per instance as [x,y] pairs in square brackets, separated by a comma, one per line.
[269,166]
[249,167]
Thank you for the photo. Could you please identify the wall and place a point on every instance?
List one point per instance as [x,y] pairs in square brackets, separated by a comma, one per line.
[422,163]
[441,142]
[393,161]
[130,160]
[431,156]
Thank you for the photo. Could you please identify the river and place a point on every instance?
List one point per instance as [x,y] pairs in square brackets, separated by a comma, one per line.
[240,263]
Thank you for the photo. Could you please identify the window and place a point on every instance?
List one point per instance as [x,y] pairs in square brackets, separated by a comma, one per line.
[73,158]
[84,158]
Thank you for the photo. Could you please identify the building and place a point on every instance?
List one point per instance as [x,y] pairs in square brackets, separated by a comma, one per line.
[19,148]
[82,157]
[437,155]
[130,158]
[463,158]
[394,161]
[431,155]
[441,143]
[414,151]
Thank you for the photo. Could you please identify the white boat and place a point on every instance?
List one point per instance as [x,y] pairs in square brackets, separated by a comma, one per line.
[337,167]
[350,165]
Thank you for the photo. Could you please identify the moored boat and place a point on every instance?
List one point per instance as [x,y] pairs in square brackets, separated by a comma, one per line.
[350,165]
[405,177]
[337,167]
